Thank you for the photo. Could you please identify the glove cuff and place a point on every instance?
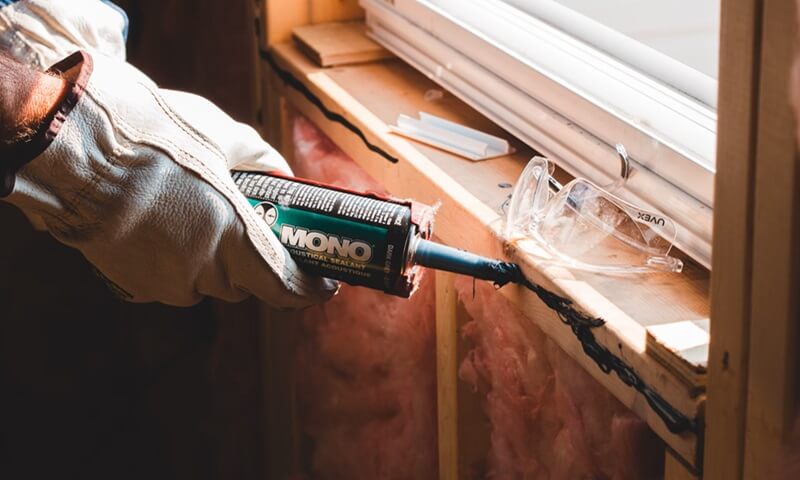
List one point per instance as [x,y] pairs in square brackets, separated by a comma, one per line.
[14,157]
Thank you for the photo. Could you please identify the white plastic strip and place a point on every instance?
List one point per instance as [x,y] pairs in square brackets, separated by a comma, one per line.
[452,137]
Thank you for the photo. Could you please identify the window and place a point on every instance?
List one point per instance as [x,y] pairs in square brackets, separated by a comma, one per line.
[676,42]
[573,78]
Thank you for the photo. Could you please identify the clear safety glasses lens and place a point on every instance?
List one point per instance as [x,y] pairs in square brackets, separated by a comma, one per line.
[584,227]
[531,194]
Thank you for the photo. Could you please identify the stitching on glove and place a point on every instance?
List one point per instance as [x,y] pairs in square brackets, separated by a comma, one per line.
[94,180]
[45,18]
[34,56]
[73,222]
[196,135]
[80,196]
[66,202]
[292,280]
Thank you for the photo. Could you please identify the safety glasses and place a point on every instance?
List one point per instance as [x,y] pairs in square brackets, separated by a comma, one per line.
[582,226]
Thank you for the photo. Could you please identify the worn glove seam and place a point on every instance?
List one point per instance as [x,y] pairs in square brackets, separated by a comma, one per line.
[68,202]
[188,129]
[72,219]
[81,195]
[56,26]
[91,183]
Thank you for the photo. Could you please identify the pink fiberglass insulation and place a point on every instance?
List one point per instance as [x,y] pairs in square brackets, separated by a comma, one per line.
[317,158]
[549,419]
[366,385]
[365,373]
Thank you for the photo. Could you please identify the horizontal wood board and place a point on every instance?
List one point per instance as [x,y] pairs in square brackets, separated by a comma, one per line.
[338,43]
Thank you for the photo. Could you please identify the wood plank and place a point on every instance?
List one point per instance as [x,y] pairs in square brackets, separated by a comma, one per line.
[278,18]
[338,43]
[773,369]
[682,347]
[277,338]
[463,426]
[447,374]
[733,221]
[271,126]
[281,17]
[674,469]
[334,10]
[253,17]
[371,96]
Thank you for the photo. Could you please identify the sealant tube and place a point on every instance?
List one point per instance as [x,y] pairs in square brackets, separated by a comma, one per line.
[358,238]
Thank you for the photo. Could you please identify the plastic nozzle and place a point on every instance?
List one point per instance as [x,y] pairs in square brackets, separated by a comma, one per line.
[441,257]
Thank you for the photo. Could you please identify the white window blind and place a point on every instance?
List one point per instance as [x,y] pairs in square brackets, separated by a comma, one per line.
[569,99]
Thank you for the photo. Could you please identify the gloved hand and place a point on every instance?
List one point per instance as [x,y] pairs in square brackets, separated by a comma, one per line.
[137,179]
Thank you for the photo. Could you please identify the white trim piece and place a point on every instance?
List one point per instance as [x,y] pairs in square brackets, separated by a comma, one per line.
[452,137]
[547,127]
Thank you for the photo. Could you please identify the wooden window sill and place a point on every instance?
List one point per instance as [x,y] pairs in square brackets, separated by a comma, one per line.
[657,323]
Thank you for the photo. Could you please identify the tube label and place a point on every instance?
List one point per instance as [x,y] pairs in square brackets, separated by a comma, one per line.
[354,238]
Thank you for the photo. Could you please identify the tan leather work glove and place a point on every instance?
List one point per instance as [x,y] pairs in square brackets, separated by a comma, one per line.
[137,178]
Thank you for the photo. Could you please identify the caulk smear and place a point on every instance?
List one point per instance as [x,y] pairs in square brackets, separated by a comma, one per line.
[581,326]
[291,81]
[512,273]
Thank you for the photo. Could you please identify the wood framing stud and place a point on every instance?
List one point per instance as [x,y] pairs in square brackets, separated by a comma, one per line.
[335,10]
[773,370]
[282,16]
[447,374]
[733,211]
[675,470]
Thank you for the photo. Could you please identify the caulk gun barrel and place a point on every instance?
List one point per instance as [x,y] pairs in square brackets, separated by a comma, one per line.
[441,257]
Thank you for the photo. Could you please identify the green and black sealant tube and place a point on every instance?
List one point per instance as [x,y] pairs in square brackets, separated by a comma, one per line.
[360,239]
